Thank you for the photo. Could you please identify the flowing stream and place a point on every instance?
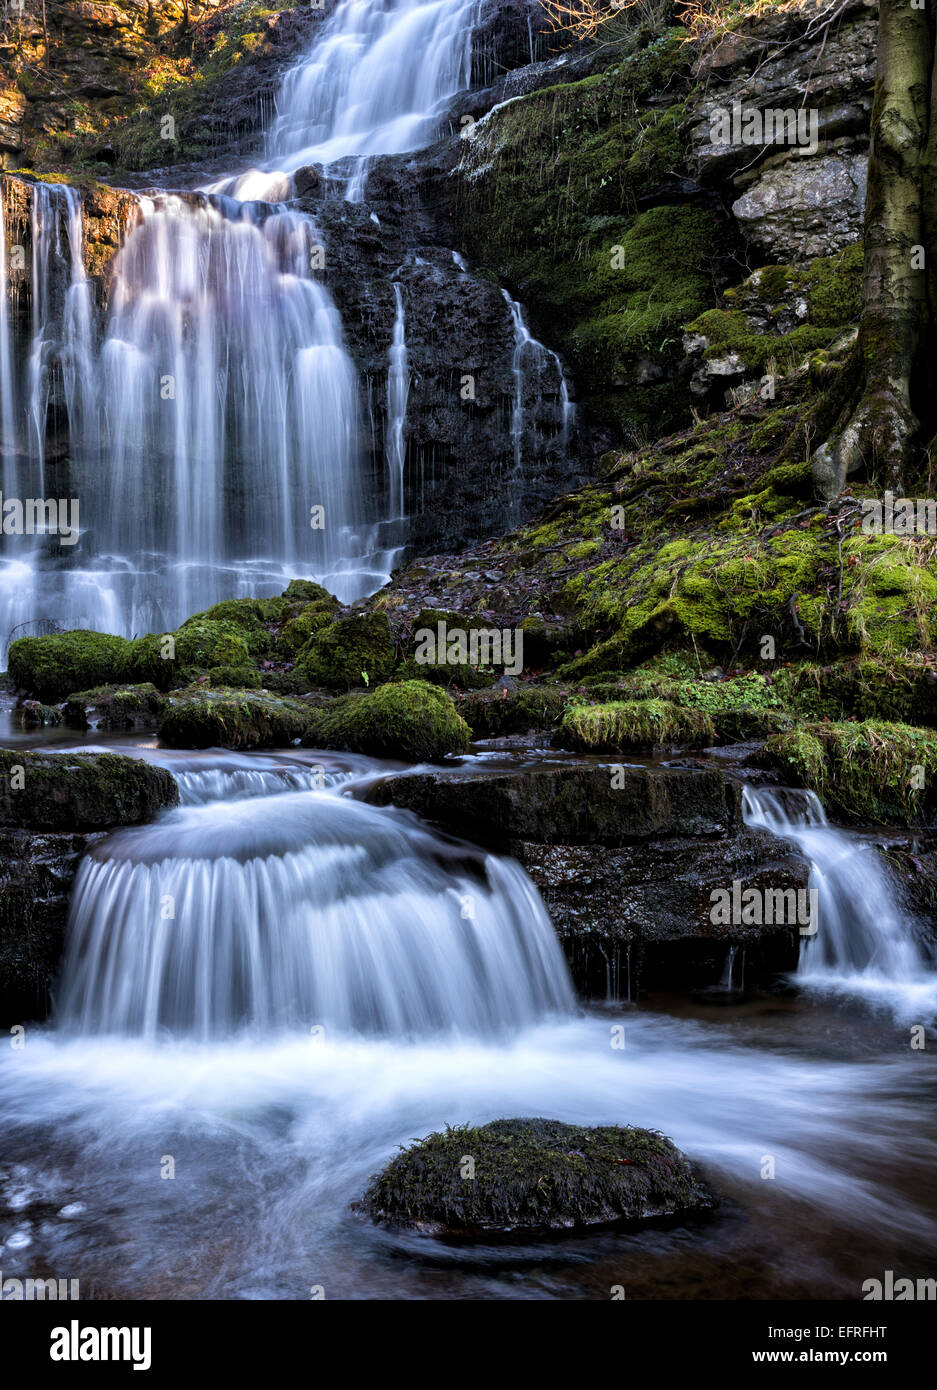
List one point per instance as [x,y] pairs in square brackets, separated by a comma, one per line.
[272,986]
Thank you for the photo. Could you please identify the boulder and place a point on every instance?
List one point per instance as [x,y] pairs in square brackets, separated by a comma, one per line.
[591,805]
[533,1175]
[73,791]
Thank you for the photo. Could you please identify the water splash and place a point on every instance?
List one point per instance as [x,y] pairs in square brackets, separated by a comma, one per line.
[865,944]
[323,912]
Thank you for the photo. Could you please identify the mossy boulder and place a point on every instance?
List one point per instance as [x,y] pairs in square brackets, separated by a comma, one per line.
[633,724]
[235,677]
[204,718]
[114,707]
[51,667]
[869,772]
[296,631]
[308,591]
[412,720]
[248,615]
[203,642]
[534,1175]
[458,675]
[80,791]
[355,650]
[493,713]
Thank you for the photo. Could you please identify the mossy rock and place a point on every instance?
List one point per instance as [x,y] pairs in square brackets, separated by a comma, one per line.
[33,714]
[151,660]
[202,642]
[870,773]
[412,720]
[457,674]
[534,1175]
[235,677]
[308,591]
[80,791]
[633,724]
[296,632]
[494,713]
[357,649]
[49,668]
[114,707]
[203,718]
[246,614]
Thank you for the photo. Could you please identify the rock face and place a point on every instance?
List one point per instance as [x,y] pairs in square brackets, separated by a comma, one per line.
[46,800]
[626,870]
[80,791]
[534,1175]
[36,874]
[806,208]
[802,196]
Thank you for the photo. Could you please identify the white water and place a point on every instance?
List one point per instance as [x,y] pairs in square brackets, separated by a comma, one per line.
[317,911]
[221,406]
[377,80]
[865,945]
[531,355]
[398,389]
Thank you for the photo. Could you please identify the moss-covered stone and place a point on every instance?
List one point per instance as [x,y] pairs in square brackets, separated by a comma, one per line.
[114,707]
[356,650]
[235,677]
[308,591]
[202,642]
[869,772]
[248,615]
[633,724]
[408,719]
[203,718]
[296,632]
[534,1174]
[491,714]
[80,791]
[50,667]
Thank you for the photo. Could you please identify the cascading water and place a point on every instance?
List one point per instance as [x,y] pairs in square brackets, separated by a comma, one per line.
[398,388]
[530,354]
[324,912]
[865,944]
[376,82]
[213,431]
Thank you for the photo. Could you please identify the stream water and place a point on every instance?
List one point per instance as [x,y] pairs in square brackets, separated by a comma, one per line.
[335,980]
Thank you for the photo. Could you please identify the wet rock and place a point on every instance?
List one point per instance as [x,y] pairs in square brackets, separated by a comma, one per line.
[566,805]
[80,791]
[534,1175]
[121,707]
[36,874]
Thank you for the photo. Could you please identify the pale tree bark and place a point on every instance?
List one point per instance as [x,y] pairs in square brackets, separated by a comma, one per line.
[878,431]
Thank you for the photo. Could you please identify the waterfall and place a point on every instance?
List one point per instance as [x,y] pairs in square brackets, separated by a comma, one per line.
[398,388]
[7,378]
[322,912]
[213,431]
[865,944]
[376,81]
[527,347]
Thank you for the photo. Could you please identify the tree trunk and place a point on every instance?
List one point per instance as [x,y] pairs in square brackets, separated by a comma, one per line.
[878,431]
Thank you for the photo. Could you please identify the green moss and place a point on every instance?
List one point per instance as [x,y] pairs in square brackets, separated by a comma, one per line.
[80,791]
[633,724]
[203,718]
[532,1174]
[50,667]
[869,772]
[410,719]
[202,642]
[246,614]
[114,707]
[308,591]
[458,675]
[235,677]
[492,714]
[355,650]
[295,633]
